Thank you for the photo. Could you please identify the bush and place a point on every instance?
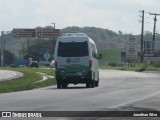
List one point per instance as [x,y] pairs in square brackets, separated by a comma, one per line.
[156,64]
[112,63]
[8,57]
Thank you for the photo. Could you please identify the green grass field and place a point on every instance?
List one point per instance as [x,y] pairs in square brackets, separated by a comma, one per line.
[30,78]
[110,55]
[28,81]
[114,55]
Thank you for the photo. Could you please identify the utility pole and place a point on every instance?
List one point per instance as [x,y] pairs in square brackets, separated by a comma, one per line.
[3,47]
[154,29]
[142,31]
[54,25]
[2,50]
[28,45]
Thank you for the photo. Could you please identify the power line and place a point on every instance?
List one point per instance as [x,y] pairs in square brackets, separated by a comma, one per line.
[125,24]
[131,27]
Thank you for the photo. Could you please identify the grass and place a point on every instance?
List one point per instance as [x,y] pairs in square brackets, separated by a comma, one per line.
[28,81]
[110,55]
[114,55]
[131,67]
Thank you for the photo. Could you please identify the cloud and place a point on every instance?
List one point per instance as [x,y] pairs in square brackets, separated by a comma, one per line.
[144,3]
[98,13]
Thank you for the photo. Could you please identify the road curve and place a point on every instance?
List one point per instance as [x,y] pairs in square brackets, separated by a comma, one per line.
[117,89]
[8,75]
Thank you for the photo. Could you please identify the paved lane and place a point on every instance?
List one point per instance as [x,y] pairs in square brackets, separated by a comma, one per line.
[117,89]
[8,75]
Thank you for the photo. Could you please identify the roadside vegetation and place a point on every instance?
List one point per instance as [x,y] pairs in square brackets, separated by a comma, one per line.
[112,60]
[28,81]
[110,55]
[32,78]
[139,67]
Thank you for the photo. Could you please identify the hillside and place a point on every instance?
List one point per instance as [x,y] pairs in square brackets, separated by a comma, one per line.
[104,39]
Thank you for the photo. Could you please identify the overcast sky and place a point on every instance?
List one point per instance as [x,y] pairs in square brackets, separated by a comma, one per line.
[115,15]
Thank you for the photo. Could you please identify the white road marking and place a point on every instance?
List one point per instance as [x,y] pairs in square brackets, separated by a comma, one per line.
[136,100]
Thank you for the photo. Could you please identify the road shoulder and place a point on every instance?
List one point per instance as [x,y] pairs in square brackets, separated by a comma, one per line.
[8,75]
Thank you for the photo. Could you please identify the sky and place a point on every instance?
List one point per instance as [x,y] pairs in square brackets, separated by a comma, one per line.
[114,15]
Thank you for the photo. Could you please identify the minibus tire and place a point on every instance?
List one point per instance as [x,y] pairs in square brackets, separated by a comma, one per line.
[88,85]
[96,83]
[59,86]
[64,85]
[92,83]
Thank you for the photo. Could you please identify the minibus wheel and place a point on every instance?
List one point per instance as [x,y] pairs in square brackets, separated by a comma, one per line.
[59,84]
[64,85]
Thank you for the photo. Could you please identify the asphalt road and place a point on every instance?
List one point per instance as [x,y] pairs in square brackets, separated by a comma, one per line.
[118,90]
[8,75]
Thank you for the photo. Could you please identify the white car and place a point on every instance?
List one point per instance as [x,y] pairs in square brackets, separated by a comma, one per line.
[52,64]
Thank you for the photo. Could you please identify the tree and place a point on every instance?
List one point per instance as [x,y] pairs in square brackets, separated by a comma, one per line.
[40,46]
[8,57]
[120,32]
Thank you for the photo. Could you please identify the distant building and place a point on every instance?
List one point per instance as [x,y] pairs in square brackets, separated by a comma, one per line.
[152,50]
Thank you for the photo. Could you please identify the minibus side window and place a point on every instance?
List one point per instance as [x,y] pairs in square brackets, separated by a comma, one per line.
[94,54]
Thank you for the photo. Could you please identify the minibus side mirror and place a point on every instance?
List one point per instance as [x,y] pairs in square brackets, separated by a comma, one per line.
[99,56]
